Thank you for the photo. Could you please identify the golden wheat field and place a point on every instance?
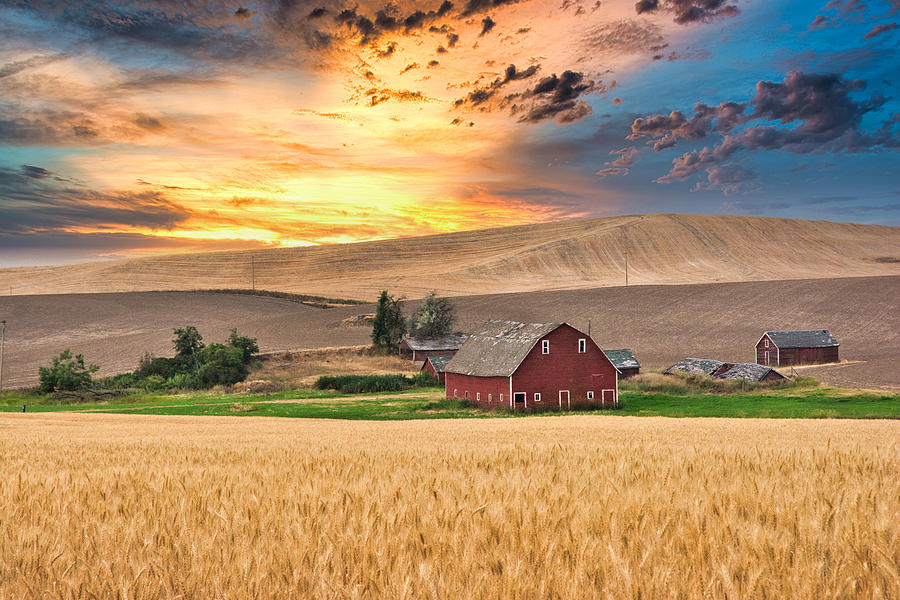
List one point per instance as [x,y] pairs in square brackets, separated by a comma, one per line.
[116,506]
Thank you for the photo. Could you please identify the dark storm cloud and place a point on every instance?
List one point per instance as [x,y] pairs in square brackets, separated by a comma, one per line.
[35,200]
[880,29]
[479,6]
[555,97]
[481,95]
[487,24]
[370,27]
[816,113]
[689,11]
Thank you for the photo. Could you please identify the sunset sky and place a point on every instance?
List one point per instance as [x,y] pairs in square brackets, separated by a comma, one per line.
[130,128]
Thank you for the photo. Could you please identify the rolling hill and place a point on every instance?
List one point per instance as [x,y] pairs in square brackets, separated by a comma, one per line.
[578,254]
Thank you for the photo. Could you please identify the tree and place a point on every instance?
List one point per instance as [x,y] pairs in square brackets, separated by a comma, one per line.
[388,326]
[248,345]
[187,341]
[432,318]
[68,373]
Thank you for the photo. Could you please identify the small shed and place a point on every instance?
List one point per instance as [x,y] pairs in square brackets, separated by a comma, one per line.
[435,365]
[532,366]
[700,366]
[413,348]
[799,347]
[751,372]
[625,362]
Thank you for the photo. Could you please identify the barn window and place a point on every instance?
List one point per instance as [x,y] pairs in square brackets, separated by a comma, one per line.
[545,347]
[582,346]
[519,397]
[454,392]
[467,394]
[767,342]
[501,397]
[591,395]
[478,396]
[490,397]
[537,396]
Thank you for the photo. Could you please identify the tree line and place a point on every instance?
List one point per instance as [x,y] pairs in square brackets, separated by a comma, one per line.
[194,366]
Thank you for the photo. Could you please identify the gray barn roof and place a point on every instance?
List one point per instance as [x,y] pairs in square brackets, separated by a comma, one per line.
[439,362]
[803,338]
[498,349]
[623,359]
[748,371]
[706,366]
[447,342]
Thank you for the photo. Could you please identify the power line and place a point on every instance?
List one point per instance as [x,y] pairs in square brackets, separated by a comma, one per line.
[2,342]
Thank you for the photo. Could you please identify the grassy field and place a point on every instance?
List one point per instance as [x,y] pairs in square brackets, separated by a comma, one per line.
[815,402]
[132,506]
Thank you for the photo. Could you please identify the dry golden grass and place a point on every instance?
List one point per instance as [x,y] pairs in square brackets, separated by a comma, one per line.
[576,254]
[104,506]
[292,370]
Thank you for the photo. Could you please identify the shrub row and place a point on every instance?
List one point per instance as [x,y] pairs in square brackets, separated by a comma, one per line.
[356,384]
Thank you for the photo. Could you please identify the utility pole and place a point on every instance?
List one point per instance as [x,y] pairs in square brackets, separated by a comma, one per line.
[2,340]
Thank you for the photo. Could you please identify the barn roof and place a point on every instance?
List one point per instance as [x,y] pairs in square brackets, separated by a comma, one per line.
[447,342]
[623,359]
[499,348]
[439,362]
[706,366]
[748,371]
[802,338]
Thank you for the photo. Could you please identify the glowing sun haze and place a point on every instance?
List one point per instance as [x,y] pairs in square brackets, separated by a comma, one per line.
[144,127]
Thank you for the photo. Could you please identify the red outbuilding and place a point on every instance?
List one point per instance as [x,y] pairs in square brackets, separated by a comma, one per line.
[435,366]
[532,366]
[805,346]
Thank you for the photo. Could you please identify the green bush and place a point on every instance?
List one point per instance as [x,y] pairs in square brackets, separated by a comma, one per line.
[221,365]
[182,381]
[152,383]
[357,384]
[68,373]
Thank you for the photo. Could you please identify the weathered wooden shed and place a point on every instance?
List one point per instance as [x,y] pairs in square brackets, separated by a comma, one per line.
[532,366]
[435,365]
[751,372]
[625,362]
[413,348]
[799,347]
[700,366]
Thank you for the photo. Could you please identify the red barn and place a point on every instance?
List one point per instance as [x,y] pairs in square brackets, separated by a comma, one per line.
[532,366]
[414,349]
[807,346]
[435,366]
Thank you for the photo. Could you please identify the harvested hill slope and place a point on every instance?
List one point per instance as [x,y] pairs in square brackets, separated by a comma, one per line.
[578,254]
[662,324]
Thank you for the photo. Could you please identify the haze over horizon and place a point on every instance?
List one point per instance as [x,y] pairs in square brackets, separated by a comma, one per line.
[136,128]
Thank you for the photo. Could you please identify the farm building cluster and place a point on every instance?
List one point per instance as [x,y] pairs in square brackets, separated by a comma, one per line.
[515,365]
